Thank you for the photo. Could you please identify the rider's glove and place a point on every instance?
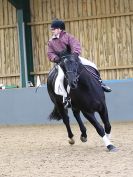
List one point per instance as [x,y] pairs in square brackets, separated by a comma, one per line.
[76,55]
[56,59]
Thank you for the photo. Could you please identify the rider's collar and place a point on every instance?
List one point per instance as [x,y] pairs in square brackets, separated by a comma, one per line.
[56,36]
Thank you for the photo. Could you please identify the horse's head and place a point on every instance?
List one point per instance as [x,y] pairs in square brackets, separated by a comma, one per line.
[70,65]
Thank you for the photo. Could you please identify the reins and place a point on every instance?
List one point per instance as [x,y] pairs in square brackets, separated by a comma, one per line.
[91,72]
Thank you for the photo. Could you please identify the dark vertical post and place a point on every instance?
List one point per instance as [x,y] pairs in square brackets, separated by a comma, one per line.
[25,40]
[28,40]
[22,49]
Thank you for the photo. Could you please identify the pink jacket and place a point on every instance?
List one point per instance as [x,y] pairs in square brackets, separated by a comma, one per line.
[60,44]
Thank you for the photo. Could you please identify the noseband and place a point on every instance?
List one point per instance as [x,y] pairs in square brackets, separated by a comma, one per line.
[77,77]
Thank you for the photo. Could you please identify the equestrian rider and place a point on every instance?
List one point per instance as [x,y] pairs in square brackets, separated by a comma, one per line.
[62,43]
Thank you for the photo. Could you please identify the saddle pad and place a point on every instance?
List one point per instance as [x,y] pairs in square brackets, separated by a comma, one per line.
[84,61]
[59,87]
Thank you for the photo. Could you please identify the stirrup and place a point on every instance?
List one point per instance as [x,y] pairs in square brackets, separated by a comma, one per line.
[67,103]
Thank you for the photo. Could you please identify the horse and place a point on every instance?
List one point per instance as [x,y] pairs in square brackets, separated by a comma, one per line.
[87,96]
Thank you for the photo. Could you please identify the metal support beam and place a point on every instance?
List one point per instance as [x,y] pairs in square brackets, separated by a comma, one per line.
[28,40]
[25,41]
[17,3]
[22,49]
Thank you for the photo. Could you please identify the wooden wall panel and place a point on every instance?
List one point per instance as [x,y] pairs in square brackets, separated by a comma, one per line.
[9,57]
[104,28]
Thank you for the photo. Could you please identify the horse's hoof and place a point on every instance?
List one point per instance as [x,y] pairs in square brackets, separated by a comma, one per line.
[83,139]
[71,141]
[112,148]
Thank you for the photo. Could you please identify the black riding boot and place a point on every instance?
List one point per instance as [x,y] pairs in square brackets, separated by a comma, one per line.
[104,87]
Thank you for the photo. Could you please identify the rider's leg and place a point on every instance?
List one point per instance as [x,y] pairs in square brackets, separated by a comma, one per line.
[88,62]
[59,88]
[105,87]
[67,102]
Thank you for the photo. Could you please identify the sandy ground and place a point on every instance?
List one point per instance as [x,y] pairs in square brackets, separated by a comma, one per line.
[43,151]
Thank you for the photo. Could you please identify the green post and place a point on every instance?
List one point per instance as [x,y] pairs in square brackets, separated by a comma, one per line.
[25,40]
[28,40]
[22,49]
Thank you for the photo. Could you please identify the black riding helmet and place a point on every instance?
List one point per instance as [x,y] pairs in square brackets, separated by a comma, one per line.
[58,24]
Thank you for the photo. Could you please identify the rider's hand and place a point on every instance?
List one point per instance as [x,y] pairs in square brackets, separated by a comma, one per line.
[57,59]
[76,54]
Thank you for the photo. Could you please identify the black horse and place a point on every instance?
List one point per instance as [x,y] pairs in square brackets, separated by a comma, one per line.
[86,96]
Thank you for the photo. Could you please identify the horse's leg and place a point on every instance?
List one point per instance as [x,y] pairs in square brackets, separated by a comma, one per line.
[100,130]
[105,120]
[64,114]
[76,114]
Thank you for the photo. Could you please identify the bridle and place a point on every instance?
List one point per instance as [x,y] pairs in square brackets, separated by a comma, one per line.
[77,77]
[69,71]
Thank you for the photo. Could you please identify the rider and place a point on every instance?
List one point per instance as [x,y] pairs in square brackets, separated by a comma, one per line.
[62,43]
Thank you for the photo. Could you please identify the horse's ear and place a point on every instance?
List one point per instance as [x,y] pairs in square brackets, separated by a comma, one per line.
[65,59]
[76,56]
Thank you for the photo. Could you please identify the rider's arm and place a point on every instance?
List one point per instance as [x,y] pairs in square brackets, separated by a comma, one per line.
[74,45]
[51,54]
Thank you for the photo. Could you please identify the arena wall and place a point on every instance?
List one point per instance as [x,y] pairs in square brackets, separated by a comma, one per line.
[26,106]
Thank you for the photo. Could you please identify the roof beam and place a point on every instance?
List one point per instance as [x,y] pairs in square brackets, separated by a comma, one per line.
[17,3]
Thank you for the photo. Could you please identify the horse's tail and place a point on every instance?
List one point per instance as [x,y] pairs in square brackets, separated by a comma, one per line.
[55,115]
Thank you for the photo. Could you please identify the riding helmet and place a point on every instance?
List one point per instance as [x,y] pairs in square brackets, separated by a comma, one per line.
[58,24]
